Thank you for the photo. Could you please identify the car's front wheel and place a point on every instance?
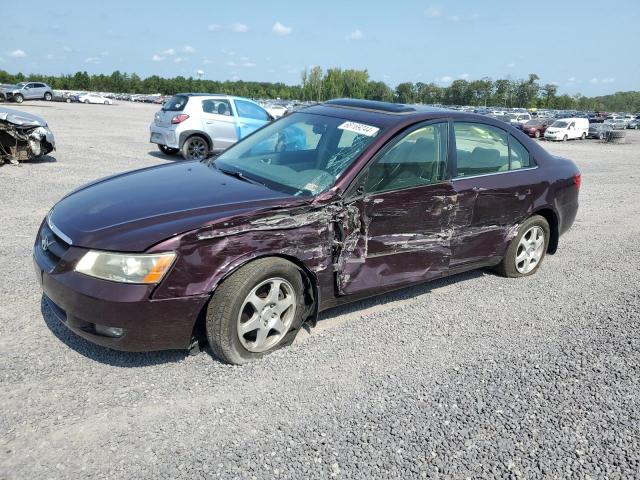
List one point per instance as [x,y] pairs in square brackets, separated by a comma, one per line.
[18,98]
[168,150]
[195,148]
[527,249]
[565,138]
[255,311]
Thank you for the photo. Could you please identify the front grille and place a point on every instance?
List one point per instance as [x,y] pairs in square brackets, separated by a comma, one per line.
[55,246]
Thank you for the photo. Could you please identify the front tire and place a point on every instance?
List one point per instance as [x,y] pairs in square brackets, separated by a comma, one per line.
[527,250]
[565,138]
[583,136]
[18,98]
[255,311]
[195,148]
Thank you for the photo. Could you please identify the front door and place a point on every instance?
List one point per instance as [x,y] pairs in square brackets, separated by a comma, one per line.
[250,117]
[493,191]
[398,230]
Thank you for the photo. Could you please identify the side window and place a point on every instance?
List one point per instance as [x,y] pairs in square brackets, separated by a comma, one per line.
[518,155]
[251,110]
[219,107]
[417,159]
[480,149]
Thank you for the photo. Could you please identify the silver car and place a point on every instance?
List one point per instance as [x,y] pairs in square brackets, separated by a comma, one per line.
[28,91]
[199,125]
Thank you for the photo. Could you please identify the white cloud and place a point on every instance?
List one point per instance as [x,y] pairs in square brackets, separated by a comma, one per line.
[511,65]
[157,58]
[444,79]
[18,54]
[464,76]
[214,27]
[571,79]
[248,64]
[608,80]
[228,52]
[239,28]
[179,59]
[231,64]
[594,80]
[355,35]
[433,12]
[50,56]
[188,49]
[453,18]
[169,51]
[92,60]
[281,30]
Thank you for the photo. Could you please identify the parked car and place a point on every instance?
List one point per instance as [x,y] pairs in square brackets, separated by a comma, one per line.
[634,124]
[199,125]
[617,123]
[23,136]
[518,119]
[94,98]
[248,247]
[537,126]
[64,97]
[276,111]
[599,130]
[567,129]
[27,91]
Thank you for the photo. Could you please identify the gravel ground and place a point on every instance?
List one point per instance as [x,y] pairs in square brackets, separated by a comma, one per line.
[473,376]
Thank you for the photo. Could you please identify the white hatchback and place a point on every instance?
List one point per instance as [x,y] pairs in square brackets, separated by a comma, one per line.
[198,125]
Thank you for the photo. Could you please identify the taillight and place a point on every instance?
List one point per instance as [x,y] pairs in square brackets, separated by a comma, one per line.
[577,179]
[179,118]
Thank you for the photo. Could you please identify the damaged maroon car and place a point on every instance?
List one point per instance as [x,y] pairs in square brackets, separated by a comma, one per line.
[328,205]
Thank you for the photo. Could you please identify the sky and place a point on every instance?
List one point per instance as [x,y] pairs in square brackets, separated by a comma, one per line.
[582,46]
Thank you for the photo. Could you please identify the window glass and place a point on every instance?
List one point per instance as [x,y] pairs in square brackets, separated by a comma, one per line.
[251,110]
[480,149]
[176,103]
[417,159]
[218,107]
[519,155]
[299,154]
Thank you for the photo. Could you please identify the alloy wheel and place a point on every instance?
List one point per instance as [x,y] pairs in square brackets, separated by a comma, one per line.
[530,250]
[197,149]
[266,315]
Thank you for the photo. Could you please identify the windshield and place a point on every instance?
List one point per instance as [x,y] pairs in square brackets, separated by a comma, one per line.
[21,85]
[302,154]
[560,124]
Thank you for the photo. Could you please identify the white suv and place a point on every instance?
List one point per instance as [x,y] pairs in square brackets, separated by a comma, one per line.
[199,125]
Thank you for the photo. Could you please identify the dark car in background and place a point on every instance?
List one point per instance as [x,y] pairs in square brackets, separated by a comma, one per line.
[363,198]
[599,130]
[536,127]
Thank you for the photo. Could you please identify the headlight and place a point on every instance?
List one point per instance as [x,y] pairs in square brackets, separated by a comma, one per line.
[126,268]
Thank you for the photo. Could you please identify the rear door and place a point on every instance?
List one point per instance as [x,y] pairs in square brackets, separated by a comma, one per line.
[397,229]
[251,117]
[492,180]
[219,122]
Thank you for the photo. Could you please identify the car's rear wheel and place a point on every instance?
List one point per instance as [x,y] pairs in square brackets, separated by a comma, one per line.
[527,250]
[86,101]
[106,102]
[255,311]
[168,150]
[68,100]
[48,97]
[18,98]
[195,148]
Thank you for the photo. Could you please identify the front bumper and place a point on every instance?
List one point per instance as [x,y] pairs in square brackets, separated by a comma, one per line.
[163,136]
[89,306]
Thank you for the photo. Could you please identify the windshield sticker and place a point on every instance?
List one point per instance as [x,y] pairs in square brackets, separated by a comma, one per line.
[360,128]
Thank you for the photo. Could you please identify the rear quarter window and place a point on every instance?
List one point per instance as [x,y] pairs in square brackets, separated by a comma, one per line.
[176,103]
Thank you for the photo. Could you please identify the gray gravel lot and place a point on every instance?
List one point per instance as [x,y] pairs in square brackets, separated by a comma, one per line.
[473,376]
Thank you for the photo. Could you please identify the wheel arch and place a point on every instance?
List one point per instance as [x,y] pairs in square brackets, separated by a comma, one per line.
[184,136]
[552,219]
[309,280]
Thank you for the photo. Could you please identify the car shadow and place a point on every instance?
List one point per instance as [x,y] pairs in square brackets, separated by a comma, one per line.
[105,355]
[402,294]
[163,156]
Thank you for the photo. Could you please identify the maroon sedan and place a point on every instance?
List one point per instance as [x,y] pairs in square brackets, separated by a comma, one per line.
[536,127]
[325,206]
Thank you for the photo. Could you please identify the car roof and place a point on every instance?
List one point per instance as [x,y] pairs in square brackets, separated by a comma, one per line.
[213,95]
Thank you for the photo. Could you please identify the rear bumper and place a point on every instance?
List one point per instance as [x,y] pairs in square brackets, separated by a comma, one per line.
[163,136]
[89,306]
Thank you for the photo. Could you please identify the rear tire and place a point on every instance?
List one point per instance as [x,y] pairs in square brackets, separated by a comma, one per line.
[232,308]
[583,136]
[86,102]
[195,148]
[522,249]
[168,150]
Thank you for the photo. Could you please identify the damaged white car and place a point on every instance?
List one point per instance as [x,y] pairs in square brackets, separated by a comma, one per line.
[23,136]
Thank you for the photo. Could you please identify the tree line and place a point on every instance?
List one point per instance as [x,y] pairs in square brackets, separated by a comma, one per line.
[318,85]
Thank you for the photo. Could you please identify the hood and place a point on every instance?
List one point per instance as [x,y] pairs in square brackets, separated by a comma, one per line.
[132,211]
[22,119]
